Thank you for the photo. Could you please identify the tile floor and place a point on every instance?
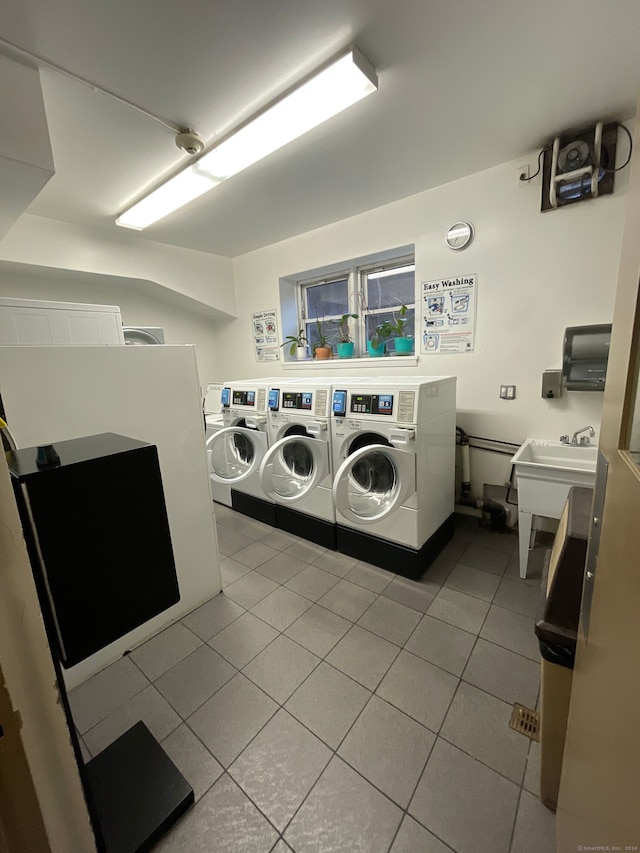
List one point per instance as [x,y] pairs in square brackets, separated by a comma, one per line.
[321,704]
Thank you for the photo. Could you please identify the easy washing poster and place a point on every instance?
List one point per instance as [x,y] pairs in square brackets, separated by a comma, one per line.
[449,314]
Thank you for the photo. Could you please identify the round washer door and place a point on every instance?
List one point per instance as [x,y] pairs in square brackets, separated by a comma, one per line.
[373,482]
[234,453]
[293,467]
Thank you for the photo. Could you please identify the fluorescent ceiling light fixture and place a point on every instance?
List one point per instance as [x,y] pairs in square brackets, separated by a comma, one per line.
[340,84]
[392,271]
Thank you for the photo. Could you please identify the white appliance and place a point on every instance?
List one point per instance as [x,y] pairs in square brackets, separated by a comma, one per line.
[212,407]
[393,448]
[33,322]
[143,335]
[236,451]
[296,470]
[152,393]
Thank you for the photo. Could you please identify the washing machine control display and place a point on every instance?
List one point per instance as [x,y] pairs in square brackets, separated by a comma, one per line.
[297,400]
[339,405]
[225,397]
[244,398]
[372,404]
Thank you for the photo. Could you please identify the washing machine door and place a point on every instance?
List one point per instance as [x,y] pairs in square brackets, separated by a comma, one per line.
[293,467]
[234,453]
[373,482]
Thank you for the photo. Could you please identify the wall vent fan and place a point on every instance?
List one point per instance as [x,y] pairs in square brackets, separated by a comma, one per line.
[576,166]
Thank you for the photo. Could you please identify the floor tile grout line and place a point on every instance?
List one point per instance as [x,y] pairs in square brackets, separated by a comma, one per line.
[515,820]
[360,773]
[479,760]
[413,793]
[168,701]
[133,695]
[235,618]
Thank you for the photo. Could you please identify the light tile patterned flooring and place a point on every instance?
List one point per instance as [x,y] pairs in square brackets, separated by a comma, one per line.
[322,704]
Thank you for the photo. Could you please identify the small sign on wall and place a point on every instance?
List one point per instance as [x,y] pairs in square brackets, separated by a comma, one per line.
[264,327]
[448,316]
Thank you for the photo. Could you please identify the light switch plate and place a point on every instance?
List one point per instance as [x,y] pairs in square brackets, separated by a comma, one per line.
[507,392]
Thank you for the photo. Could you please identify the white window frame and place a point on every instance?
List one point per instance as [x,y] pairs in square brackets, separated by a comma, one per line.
[304,286]
[387,268]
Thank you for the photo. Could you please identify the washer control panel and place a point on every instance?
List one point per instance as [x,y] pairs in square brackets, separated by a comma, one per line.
[371,404]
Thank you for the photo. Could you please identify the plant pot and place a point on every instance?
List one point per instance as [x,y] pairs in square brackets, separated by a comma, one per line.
[301,353]
[323,353]
[404,346]
[375,352]
[345,349]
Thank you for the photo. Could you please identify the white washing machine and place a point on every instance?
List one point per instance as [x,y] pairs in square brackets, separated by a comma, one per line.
[393,446]
[236,451]
[296,470]
[212,407]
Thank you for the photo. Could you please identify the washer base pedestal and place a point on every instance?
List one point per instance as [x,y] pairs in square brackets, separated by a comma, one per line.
[314,529]
[257,508]
[400,559]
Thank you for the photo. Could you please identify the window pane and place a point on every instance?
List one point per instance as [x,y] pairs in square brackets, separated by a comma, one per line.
[330,299]
[388,288]
[392,317]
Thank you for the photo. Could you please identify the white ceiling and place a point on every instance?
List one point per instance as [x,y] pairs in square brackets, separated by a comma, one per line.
[463,85]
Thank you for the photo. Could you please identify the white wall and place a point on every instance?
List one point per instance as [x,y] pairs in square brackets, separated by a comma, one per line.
[198,277]
[537,274]
[138,309]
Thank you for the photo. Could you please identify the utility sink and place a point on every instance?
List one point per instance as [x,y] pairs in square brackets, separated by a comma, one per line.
[552,460]
[545,471]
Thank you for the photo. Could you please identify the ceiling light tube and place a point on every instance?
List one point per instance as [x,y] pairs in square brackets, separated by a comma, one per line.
[340,84]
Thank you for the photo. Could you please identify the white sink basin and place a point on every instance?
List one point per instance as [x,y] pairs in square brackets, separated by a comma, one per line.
[539,454]
[545,471]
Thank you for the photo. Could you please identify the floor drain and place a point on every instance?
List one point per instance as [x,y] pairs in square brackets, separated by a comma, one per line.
[525,721]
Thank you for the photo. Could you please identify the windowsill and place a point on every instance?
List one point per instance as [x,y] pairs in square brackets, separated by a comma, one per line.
[345,363]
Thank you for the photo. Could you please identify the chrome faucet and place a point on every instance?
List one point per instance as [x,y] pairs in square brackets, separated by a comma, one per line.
[584,441]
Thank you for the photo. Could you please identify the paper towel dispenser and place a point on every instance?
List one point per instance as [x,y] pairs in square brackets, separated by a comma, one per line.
[585,356]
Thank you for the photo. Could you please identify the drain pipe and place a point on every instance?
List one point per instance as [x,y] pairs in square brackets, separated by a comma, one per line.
[496,512]
[465,489]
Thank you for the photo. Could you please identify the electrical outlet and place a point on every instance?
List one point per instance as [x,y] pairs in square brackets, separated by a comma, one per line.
[507,392]
[524,172]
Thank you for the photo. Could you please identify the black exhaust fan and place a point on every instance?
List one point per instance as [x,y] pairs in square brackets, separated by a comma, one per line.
[576,166]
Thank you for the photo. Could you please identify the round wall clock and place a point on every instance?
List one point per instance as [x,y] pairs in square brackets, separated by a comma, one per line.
[459,236]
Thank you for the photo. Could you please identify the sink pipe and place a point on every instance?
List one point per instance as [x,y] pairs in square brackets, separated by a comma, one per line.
[496,512]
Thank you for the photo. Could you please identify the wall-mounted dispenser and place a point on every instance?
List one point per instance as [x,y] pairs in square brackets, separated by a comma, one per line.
[551,384]
[585,355]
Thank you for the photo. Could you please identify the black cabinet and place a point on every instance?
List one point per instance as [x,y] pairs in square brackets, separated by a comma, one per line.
[95,523]
[98,535]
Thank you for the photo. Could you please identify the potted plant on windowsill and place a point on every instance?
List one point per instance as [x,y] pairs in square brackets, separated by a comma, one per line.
[376,345]
[297,345]
[322,347]
[404,343]
[345,341]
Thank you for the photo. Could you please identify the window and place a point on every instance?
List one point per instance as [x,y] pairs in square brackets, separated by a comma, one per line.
[323,304]
[383,293]
[375,288]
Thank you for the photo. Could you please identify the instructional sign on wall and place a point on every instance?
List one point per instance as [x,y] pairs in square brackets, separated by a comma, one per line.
[264,325]
[449,314]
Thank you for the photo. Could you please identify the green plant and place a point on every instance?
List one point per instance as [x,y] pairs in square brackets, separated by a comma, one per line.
[382,333]
[323,340]
[343,328]
[295,341]
[398,327]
